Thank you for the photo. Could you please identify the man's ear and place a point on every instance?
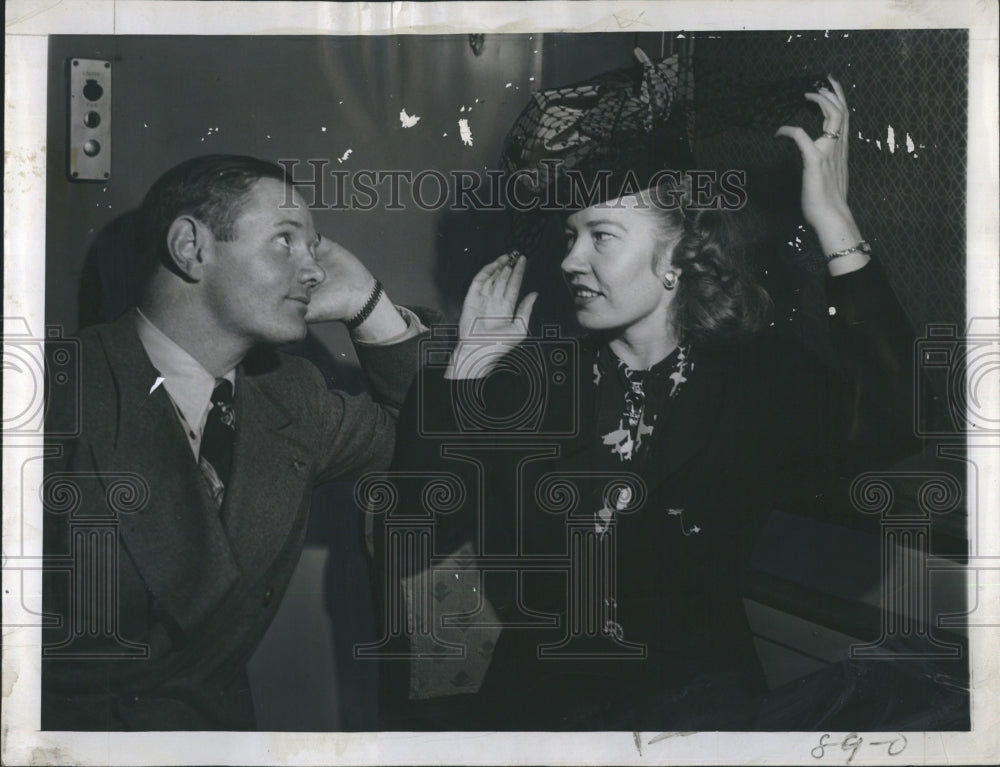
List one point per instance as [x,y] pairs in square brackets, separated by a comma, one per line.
[186,238]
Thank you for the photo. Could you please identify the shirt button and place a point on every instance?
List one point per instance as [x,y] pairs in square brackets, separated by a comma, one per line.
[268,596]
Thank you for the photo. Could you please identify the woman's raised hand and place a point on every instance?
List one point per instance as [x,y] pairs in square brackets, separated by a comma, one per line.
[492,321]
[824,177]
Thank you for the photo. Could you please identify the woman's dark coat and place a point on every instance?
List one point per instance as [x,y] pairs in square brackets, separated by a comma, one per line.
[769,423]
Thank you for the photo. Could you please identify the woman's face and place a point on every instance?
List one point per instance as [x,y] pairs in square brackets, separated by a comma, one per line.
[614,265]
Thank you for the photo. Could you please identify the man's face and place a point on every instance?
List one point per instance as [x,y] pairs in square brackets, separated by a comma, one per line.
[258,285]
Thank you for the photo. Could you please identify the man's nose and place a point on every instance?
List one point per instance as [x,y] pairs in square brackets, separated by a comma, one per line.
[311,273]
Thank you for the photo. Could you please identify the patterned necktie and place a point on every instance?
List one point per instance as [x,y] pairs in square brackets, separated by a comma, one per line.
[216,457]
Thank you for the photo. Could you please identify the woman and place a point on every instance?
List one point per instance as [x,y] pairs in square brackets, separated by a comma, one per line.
[690,416]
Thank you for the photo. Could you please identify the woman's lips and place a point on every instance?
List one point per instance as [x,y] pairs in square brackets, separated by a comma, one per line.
[583,294]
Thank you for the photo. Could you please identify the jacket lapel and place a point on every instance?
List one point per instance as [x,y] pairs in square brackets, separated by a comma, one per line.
[176,540]
[272,467]
[691,423]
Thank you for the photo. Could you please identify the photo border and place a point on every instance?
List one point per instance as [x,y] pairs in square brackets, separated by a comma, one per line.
[26,72]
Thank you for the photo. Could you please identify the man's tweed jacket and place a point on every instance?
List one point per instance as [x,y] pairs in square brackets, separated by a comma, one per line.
[155,601]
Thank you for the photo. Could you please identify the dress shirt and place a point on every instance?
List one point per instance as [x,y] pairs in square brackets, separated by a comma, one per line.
[187,382]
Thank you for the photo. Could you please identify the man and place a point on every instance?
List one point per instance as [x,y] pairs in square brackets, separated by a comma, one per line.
[198,446]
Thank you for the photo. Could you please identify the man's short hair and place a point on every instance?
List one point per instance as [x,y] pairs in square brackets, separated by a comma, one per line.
[211,188]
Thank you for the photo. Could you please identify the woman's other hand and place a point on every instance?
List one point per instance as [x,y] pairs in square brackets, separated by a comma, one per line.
[492,321]
[825,176]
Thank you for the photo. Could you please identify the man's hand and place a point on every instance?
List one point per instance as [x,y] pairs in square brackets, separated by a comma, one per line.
[347,286]
[344,293]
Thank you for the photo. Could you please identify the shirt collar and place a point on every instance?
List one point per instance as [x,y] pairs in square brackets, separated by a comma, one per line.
[187,382]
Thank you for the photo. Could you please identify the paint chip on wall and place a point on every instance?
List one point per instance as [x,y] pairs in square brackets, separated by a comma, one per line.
[466,131]
[408,121]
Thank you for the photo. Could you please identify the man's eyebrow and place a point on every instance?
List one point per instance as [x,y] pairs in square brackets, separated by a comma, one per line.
[288,222]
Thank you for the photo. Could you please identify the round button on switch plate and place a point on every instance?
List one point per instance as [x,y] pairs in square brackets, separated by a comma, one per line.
[92,90]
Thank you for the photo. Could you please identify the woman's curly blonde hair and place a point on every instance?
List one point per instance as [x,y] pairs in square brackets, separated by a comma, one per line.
[718,297]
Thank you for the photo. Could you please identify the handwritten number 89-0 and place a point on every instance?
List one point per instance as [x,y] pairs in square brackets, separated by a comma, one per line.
[853,742]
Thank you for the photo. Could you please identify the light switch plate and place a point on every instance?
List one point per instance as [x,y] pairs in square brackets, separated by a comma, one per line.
[89,134]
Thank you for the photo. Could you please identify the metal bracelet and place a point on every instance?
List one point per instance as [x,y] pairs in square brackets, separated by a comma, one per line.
[861,247]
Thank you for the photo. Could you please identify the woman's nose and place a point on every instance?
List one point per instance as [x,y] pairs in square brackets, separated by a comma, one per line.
[575,260]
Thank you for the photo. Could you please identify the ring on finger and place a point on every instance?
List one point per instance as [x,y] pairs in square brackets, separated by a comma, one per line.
[831,134]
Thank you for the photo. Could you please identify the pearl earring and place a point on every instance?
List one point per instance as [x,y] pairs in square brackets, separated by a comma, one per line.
[670,280]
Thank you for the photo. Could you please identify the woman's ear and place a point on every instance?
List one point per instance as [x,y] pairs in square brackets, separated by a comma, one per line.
[664,260]
[185,239]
